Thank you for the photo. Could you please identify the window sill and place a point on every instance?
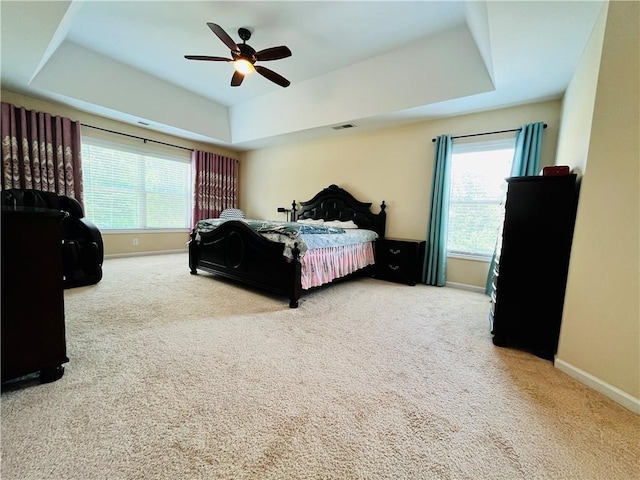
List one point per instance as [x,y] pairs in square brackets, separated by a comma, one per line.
[469,256]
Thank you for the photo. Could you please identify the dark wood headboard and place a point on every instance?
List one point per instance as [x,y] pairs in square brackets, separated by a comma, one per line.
[335,203]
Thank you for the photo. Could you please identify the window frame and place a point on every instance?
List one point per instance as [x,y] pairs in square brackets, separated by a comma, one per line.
[474,146]
[147,150]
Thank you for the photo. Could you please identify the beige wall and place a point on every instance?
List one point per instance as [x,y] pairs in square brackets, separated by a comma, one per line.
[578,101]
[122,243]
[600,335]
[467,272]
[394,165]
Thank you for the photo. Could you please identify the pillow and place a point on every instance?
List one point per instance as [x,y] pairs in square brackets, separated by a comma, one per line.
[311,221]
[338,223]
[232,213]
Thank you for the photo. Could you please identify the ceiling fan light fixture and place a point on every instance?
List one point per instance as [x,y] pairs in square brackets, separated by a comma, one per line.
[243,57]
[243,66]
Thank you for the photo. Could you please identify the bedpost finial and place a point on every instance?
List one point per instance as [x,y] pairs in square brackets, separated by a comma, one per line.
[383,206]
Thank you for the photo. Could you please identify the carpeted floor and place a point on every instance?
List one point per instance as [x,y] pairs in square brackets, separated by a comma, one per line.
[174,376]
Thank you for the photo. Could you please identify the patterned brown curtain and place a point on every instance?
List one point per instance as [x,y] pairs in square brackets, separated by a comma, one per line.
[216,184]
[41,152]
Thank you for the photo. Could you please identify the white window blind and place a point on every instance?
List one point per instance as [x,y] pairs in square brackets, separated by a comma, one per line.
[128,187]
[478,188]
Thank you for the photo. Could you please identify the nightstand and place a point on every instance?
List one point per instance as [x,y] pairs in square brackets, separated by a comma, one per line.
[399,260]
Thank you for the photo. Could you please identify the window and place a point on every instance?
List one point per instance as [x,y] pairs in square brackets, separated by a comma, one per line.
[478,187]
[129,187]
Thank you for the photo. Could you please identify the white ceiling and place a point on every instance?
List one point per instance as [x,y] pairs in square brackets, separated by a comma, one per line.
[369,63]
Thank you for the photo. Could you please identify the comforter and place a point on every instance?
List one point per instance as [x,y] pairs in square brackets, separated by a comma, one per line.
[303,236]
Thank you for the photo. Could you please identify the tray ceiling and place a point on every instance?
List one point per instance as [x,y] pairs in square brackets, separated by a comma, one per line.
[372,64]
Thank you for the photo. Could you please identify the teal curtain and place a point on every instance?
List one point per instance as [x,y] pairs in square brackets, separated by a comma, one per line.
[435,261]
[526,163]
[526,158]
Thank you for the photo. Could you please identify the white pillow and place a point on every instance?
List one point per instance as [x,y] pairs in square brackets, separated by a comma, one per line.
[311,221]
[338,223]
[234,213]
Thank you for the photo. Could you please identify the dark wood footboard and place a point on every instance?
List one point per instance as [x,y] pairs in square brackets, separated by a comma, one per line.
[235,251]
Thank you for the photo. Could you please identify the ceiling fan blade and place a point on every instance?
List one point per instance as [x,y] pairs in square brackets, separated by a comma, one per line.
[273,76]
[274,53]
[222,35]
[205,57]
[237,79]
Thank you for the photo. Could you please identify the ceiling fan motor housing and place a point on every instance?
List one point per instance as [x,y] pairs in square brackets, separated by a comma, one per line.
[246,53]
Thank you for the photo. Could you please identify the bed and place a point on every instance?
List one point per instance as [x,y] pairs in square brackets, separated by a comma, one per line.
[282,257]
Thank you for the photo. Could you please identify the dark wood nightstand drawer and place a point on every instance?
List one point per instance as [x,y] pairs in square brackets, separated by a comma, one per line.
[394,250]
[399,260]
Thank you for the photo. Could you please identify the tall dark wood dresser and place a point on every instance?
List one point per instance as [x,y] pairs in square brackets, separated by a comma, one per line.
[531,270]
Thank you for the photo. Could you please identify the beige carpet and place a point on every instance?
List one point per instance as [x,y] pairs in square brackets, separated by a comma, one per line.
[174,376]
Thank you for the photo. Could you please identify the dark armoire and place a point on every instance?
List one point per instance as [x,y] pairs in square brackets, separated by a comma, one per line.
[532,262]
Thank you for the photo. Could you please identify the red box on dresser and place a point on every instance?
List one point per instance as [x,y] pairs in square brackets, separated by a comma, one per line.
[555,170]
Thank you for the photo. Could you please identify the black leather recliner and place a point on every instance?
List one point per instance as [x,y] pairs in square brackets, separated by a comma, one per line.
[82,247]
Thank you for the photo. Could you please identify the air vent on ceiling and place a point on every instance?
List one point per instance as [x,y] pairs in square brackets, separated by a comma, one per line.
[342,127]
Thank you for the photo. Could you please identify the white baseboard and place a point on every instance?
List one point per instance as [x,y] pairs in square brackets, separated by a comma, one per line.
[464,286]
[614,393]
[141,254]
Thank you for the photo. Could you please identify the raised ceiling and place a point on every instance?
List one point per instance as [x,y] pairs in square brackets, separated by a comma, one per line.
[368,63]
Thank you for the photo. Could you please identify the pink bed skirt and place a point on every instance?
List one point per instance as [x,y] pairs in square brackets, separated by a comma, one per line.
[322,265]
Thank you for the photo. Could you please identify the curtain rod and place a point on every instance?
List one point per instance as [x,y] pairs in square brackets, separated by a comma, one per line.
[487,133]
[145,140]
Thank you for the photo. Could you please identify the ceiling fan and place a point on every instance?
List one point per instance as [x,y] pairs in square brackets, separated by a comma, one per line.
[244,57]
